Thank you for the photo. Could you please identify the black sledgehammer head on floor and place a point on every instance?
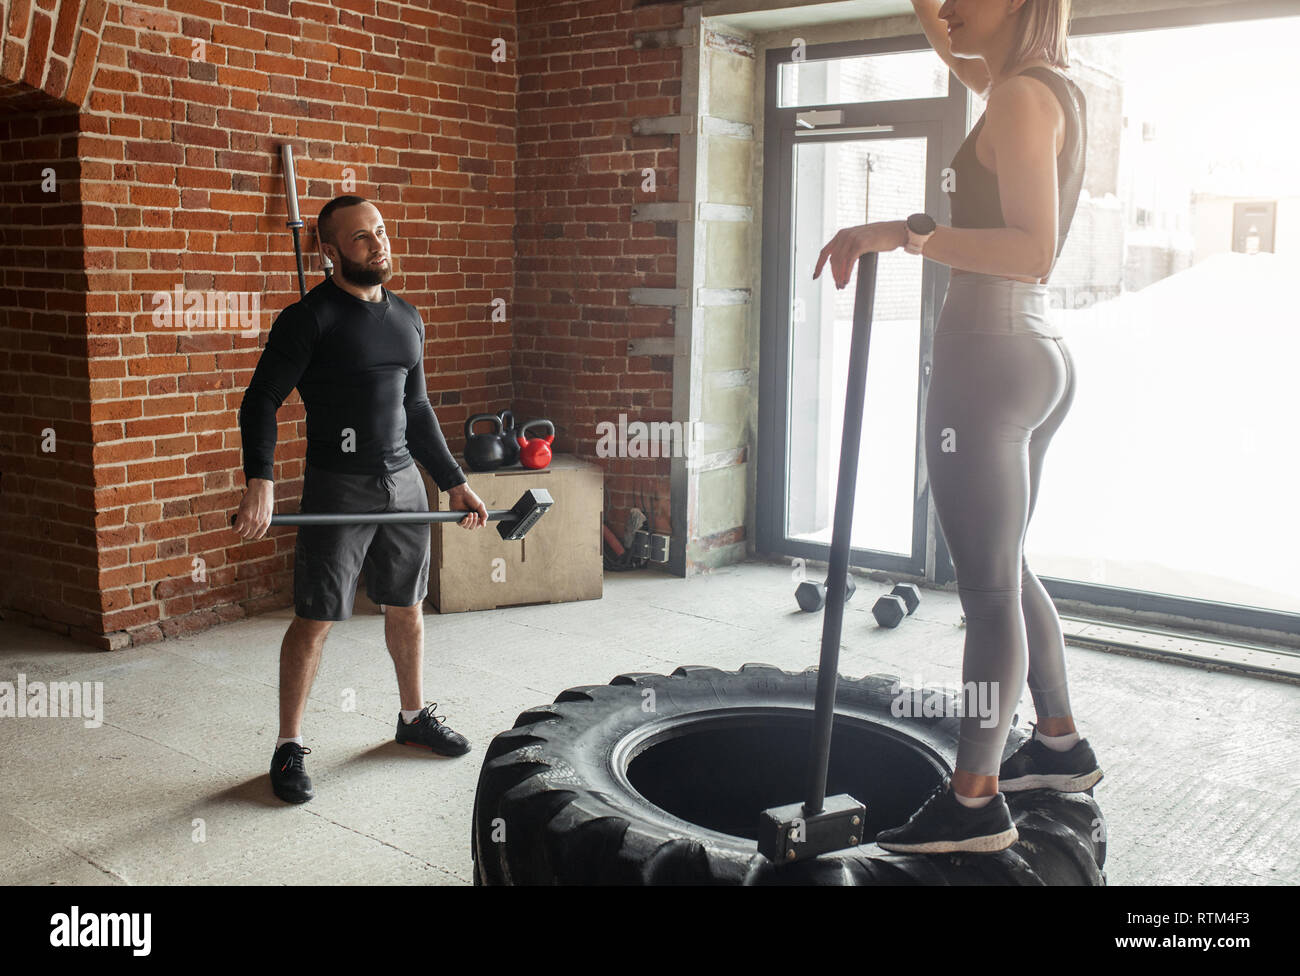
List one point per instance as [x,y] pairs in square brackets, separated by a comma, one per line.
[515,522]
[788,833]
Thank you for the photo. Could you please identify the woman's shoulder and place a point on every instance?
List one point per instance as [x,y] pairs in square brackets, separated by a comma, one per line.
[1036,89]
[1051,76]
[1020,94]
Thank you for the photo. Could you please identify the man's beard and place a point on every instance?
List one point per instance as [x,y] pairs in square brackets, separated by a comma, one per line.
[364,275]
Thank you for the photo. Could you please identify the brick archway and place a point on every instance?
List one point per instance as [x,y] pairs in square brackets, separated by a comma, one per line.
[49,46]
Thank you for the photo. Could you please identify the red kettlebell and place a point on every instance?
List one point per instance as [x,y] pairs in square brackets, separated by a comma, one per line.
[535,453]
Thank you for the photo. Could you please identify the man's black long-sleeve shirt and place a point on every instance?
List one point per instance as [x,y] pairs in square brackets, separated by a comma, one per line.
[359,367]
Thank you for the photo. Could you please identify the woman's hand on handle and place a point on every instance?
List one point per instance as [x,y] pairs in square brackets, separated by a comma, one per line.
[851,243]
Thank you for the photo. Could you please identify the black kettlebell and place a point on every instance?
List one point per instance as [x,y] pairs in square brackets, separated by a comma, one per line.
[508,433]
[484,452]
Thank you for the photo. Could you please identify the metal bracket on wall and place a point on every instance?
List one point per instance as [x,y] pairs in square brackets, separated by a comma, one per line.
[685,37]
[664,125]
[652,347]
[678,211]
[659,296]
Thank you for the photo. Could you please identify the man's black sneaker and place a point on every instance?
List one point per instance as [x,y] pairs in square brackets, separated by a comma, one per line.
[289,777]
[943,825]
[431,732]
[1035,767]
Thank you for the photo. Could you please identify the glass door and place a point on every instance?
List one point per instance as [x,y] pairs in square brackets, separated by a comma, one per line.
[841,183]
[835,164]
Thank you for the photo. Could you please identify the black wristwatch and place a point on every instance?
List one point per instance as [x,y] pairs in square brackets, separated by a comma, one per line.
[919,228]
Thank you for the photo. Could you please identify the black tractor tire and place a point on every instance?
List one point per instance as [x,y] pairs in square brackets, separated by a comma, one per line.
[660,779]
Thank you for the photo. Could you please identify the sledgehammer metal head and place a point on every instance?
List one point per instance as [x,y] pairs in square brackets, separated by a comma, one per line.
[790,833]
[532,505]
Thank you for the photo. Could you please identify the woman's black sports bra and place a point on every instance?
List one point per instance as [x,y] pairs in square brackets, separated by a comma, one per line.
[975,200]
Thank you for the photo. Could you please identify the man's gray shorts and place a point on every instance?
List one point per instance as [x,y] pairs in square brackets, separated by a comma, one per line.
[329,558]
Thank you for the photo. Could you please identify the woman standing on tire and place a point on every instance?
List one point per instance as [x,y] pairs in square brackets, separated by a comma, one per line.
[1002,383]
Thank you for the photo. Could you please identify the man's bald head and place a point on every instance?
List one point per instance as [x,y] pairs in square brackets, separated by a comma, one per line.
[353,237]
[331,221]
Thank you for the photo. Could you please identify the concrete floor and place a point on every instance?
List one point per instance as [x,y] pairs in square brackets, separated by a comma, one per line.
[1201,779]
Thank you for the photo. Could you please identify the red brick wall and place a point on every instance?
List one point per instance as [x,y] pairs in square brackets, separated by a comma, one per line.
[48,574]
[582,84]
[180,184]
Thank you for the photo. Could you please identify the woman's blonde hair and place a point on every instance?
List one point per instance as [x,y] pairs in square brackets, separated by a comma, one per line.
[1043,26]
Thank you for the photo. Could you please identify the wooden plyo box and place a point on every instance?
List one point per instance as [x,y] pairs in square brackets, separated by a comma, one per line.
[558,561]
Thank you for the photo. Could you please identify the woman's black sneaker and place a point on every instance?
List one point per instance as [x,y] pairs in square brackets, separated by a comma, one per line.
[943,825]
[1036,767]
[431,732]
[289,777]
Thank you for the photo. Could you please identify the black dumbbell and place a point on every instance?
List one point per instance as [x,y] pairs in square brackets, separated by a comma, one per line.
[900,602]
[812,595]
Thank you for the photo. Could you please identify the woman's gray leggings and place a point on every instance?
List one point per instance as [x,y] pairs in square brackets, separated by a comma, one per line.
[1003,381]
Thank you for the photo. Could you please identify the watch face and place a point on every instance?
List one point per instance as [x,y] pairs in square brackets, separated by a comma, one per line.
[920,223]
